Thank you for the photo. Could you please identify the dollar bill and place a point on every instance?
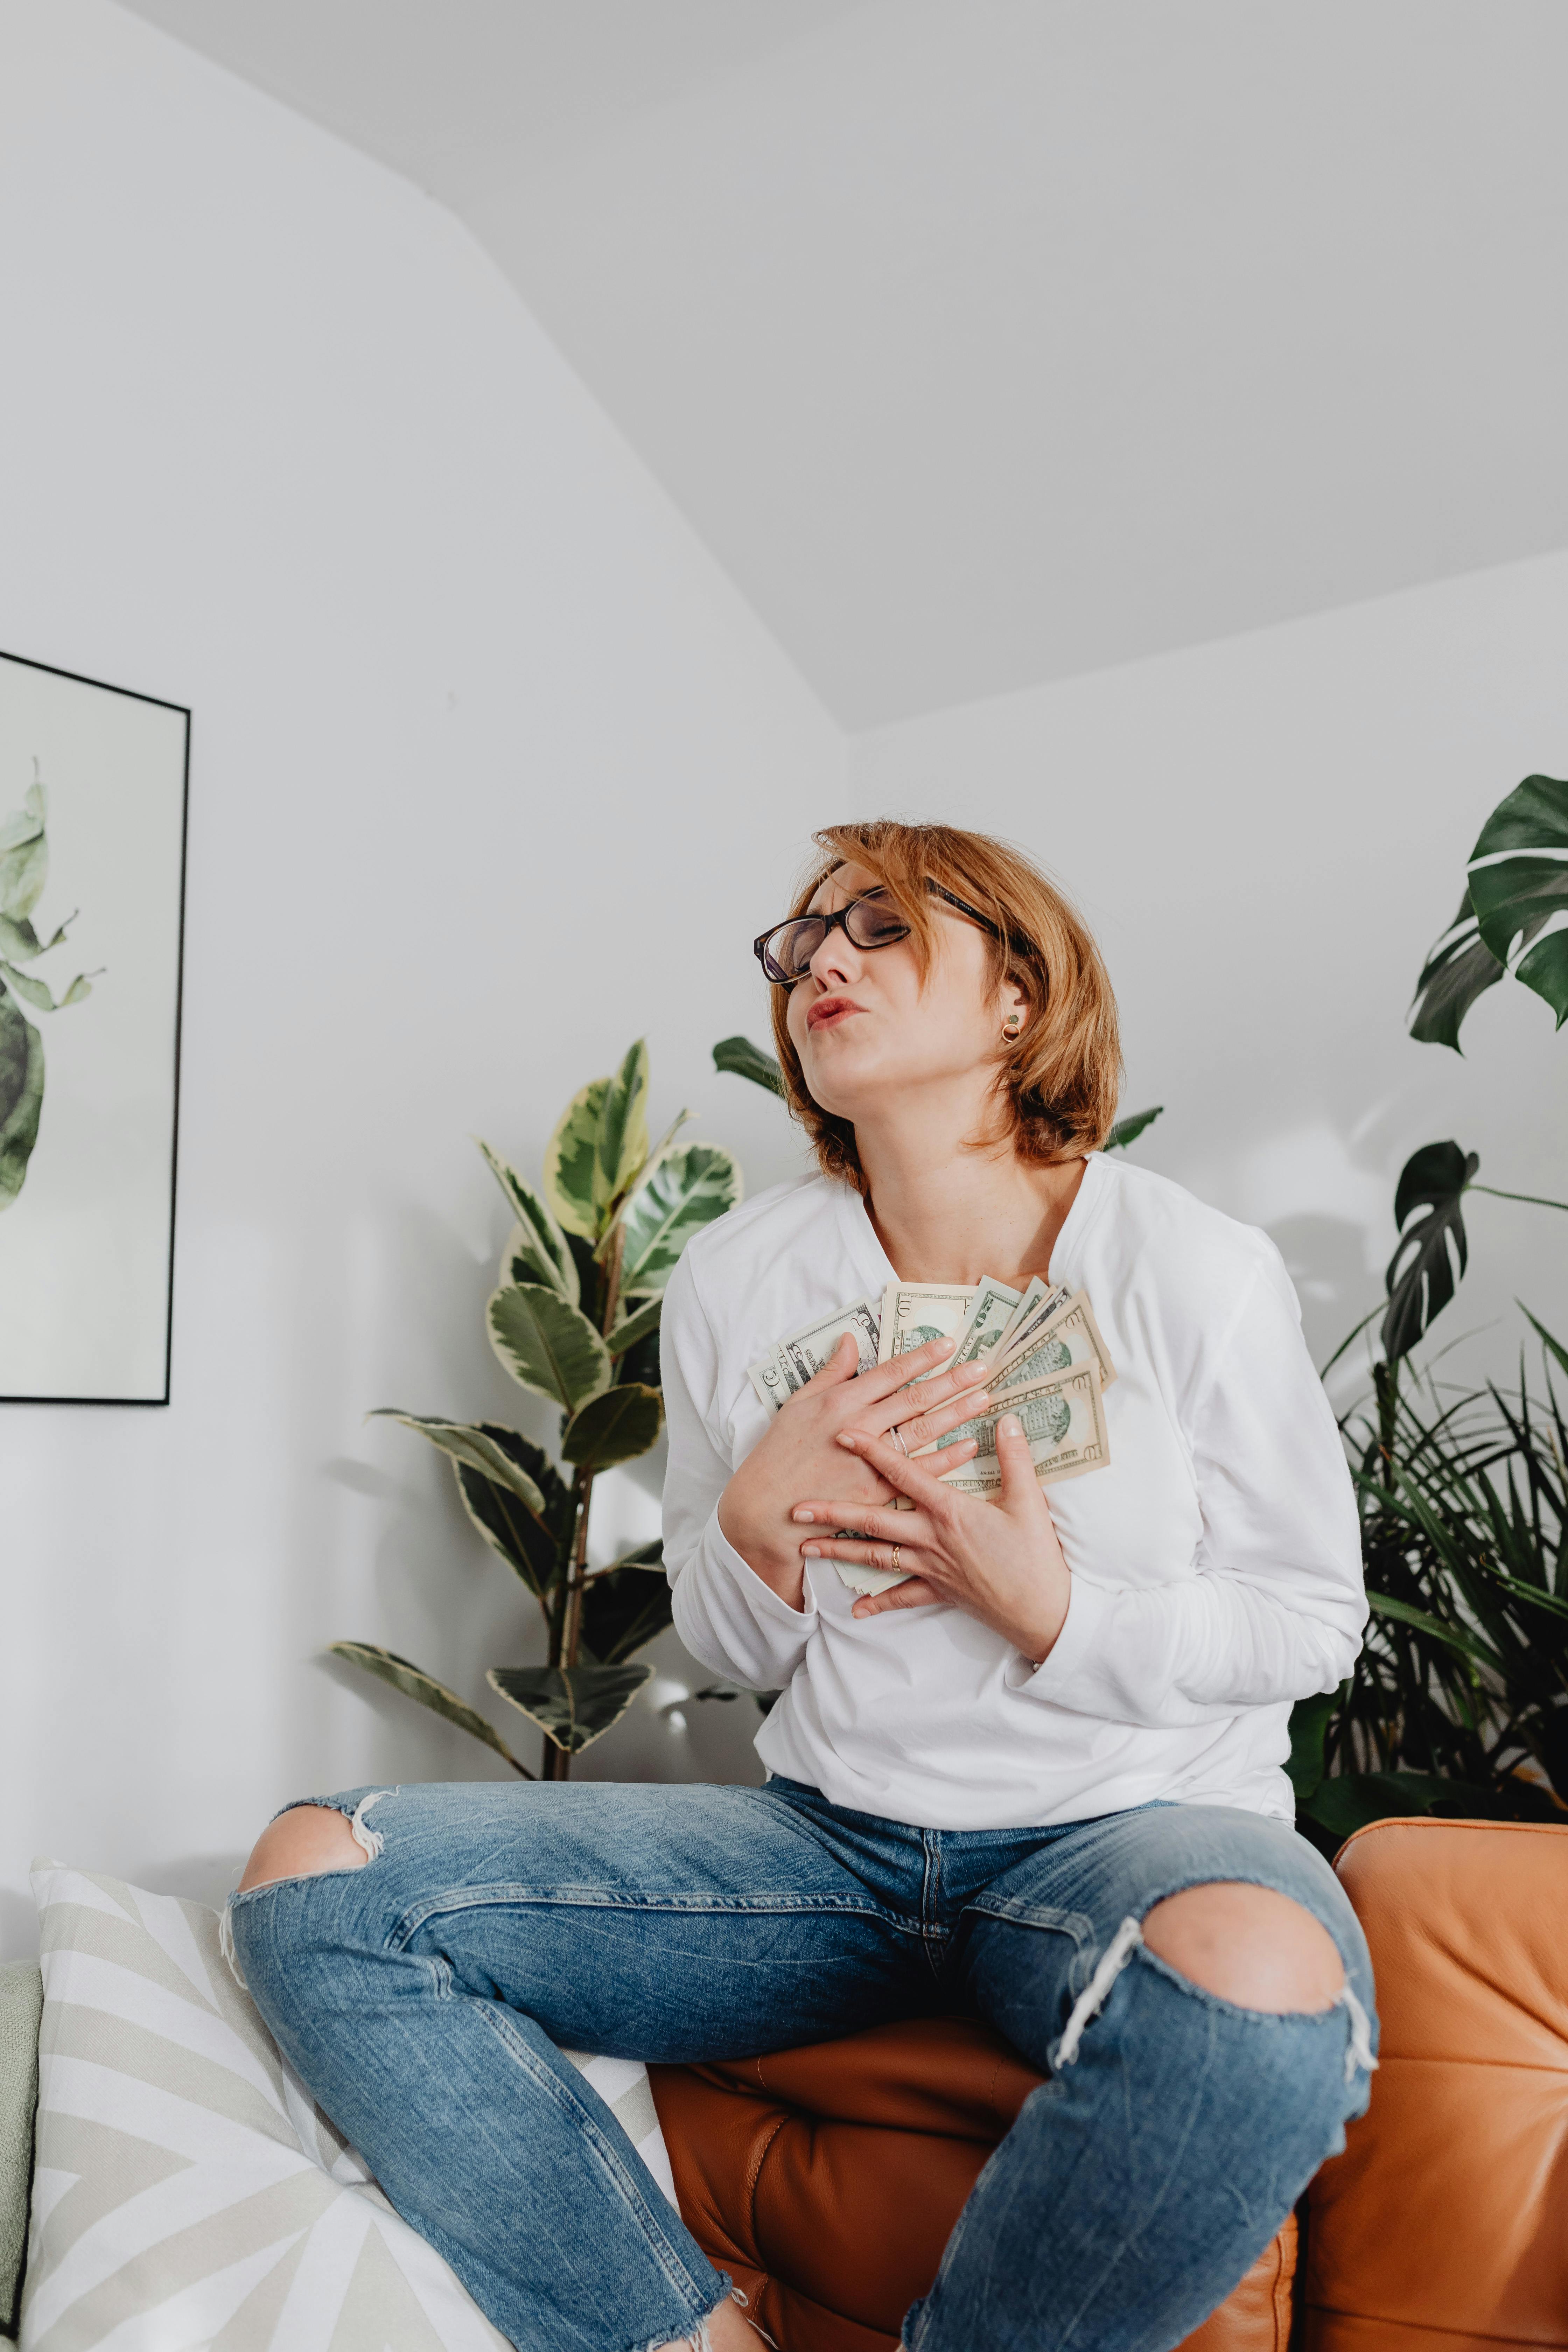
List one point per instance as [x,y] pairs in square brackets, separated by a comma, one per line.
[1063,1419]
[995,1306]
[1039,1301]
[1069,1336]
[791,1363]
[914,1312]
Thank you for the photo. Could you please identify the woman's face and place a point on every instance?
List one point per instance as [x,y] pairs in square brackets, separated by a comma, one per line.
[865,1029]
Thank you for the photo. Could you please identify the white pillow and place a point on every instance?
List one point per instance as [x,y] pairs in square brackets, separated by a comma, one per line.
[188,2195]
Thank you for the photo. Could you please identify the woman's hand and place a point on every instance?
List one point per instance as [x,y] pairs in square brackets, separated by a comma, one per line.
[1002,1561]
[801,1452]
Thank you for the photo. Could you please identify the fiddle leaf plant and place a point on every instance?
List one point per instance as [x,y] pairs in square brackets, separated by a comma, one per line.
[574,1319]
[23,870]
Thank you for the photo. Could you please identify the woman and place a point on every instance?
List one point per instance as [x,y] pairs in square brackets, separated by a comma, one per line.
[1038,1781]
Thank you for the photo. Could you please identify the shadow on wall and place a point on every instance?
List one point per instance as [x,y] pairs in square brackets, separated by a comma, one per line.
[1326,1259]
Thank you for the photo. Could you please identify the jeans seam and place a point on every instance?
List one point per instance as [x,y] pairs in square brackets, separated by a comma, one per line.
[514,1897]
[605,2156]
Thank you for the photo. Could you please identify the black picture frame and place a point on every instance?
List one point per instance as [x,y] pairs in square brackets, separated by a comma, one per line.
[181,712]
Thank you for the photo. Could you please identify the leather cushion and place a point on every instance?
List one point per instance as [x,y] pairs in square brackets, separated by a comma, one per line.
[1445,2223]
[827,2179]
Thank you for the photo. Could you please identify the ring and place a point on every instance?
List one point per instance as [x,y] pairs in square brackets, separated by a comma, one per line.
[893,1564]
[899,1440]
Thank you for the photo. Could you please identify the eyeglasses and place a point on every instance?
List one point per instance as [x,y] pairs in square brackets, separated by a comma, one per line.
[786,951]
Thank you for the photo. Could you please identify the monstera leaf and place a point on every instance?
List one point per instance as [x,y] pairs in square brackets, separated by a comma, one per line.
[745,1060]
[21,1095]
[599,1144]
[616,1426]
[1517,882]
[573,1706]
[626,1604]
[548,1346]
[536,1250]
[687,1191]
[1433,1252]
[1461,968]
[414,1683]
[1127,1131]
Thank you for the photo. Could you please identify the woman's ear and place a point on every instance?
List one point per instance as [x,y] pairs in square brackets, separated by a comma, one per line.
[1015,1007]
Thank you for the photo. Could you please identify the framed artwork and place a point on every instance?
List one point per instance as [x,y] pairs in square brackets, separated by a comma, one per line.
[93,785]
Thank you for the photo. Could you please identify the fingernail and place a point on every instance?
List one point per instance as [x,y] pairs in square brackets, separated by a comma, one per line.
[846,1437]
[1009,1427]
[811,1551]
[804,1514]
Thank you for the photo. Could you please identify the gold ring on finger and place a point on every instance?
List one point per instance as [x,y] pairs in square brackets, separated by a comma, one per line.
[894,1563]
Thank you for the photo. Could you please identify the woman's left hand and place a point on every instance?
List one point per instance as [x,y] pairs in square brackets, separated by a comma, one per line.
[1001,1561]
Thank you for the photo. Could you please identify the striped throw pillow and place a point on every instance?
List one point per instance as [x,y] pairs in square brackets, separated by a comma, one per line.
[187,2191]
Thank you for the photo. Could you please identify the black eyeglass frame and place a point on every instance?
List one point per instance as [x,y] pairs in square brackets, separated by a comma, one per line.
[839,921]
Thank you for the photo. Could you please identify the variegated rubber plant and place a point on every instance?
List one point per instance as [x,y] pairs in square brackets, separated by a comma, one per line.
[576,1318]
[23,870]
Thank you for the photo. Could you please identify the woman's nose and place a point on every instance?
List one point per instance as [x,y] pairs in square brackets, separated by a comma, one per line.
[837,960]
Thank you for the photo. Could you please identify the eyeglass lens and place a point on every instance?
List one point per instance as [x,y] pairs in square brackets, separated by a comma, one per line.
[868,922]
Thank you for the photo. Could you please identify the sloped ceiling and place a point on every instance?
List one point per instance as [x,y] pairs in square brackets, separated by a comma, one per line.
[990,340]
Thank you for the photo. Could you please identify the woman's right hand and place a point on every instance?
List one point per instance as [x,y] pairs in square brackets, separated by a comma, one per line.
[800,1453]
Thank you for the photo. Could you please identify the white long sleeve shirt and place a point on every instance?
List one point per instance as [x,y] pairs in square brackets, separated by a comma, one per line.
[1216,1565]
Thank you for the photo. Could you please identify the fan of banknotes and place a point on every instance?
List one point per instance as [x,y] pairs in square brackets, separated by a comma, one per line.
[1045,1360]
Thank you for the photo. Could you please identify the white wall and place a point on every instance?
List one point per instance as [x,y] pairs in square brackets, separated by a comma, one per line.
[492,770]
[1267,835]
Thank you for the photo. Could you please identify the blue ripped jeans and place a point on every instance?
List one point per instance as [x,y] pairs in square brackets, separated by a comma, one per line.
[424,1998]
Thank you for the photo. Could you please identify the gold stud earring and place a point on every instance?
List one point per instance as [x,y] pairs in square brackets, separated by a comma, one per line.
[1012,1027]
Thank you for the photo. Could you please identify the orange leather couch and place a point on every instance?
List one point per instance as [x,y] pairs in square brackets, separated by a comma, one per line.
[826,2179]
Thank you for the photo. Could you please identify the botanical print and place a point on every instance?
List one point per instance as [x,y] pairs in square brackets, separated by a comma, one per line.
[24,871]
[92,848]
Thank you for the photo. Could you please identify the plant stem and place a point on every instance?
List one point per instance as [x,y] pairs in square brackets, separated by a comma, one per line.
[1534,1199]
[569,1634]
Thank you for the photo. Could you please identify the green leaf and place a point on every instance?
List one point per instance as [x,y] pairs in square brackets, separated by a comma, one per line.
[1128,1130]
[21,942]
[621,1145]
[1347,1802]
[471,1443]
[686,1192]
[537,1250]
[546,1344]
[533,1547]
[627,1604]
[1554,1346]
[1405,1612]
[416,1683]
[1433,1252]
[21,1095]
[739,1056]
[632,1328]
[1461,968]
[1310,1720]
[599,1144]
[572,1161]
[1517,895]
[573,1706]
[27,984]
[659,1152]
[615,1427]
[24,857]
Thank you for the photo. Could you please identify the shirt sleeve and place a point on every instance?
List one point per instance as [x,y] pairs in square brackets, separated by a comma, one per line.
[1276,1606]
[726,1617]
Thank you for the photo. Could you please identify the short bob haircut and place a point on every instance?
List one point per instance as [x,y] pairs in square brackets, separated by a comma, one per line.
[1059,1082]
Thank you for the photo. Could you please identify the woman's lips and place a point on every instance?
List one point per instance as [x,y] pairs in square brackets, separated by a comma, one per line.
[828,1012]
